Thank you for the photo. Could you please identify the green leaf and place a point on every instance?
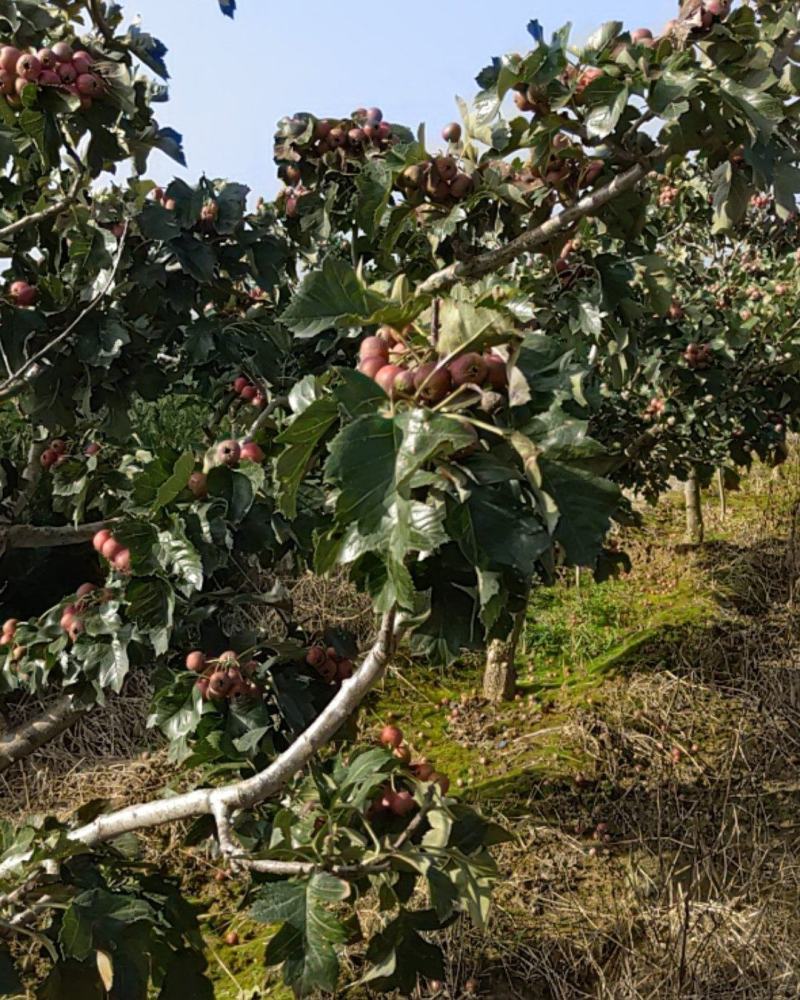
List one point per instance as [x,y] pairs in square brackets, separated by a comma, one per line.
[176,483]
[374,184]
[399,956]
[609,98]
[333,296]
[301,439]
[584,504]
[151,603]
[235,488]
[308,949]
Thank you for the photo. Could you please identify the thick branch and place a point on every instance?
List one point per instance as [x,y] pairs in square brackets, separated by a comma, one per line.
[25,739]
[251,791]
[494,260]
[29,536]
[46,213]
[16,382]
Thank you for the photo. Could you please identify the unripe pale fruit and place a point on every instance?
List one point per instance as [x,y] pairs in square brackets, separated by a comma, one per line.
[47,58]
[90,86]
[469,369]
[402,803]
[122,561]
[385,378]
[432,386]
[497,374]
[452,132]
[100,539]
[23,294]
[29,67]
[373,347]
[82,62]
[112,549]
[9,57]
[371,366]
[48,458]
[198,485]
[251,452]
[316,656]
[196,662]
[229,453]
[63,52]
[391,736]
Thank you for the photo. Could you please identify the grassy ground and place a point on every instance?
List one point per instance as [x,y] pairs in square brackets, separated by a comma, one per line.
[647,769]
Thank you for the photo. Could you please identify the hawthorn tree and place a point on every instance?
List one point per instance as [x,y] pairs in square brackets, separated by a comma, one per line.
[437,407]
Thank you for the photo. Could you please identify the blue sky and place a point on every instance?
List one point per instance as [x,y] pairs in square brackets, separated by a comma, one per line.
[232,80]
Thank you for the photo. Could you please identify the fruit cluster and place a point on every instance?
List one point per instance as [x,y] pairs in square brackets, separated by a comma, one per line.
[250,393]
[437,179]
[761,201]
[223,677]
[698,355]
[231,453]
[160,195]
[23,294]
[112,550]
[58,67]
[668,195]
[58,450]
[401,802]
[8,639]
[402,372]
[71,621]
[329,664]
[655,409]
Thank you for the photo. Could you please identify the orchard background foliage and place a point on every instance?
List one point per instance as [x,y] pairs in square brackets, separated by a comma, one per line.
[435,370]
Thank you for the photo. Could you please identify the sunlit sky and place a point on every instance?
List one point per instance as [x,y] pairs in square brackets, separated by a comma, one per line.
[232,80]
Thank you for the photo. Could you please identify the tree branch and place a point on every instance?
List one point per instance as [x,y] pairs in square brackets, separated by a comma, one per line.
[29,481]
[46,213]
[28,737]
[29,536]
[493,260]
[19,379]
[251,791]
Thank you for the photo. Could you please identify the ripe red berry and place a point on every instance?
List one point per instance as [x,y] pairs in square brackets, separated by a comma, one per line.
[452,132]
[344,670]
[251,452]
[198,485]
[402,753]
[89,85]
[248,393]
[122,561]
[373,347]
[219,685]
[47,58]
[76,629]
[82,62]
[372,365]
[432,386]
[9,57]
[316,656]
[229,453]
[202,686]
[385,378]
[29,67]
[232,939]
[196,661]
[328,670]
[91,449]
[469,369]
[497,374]
[85,589]
[63,52]
[240,383]
[48,458]
[442,781]
[111,549]
[23,294]
[391,736]
[49,78]
[402,803]
[423,771]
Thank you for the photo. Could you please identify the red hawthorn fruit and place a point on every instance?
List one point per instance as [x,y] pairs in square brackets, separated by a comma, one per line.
[332,654]
[336,138]
[328,670]
[76,629]
[371,366]
[230,658]
[240,383]
[402,753]
[20,84]
[231,939]
[23,294]
[461,186]
[68,618]
[89,85]
[640,34]
[469,369]
[373,347]
[432,386]
[345,670]
[402,803]
[10,626]
[29,67]
[384,132]
[229,453]
[452,132]
[202,686]
[7,82]
[219,685]
[675,310]
[48,458]
[67,73]
[259,401]
[58,446]
[441,780]
[47,58]
[85,589]
[9,57]
[248,393]
[122,561]
[316,656]
[100,539]
[423,771]
[356,136]
[446,167]
[404,383]
[251,452]
[196,661]
[593,170]
[385,378]
[496,372]
[62,52]
[49,78]
[374,116]
[250,668]
[112,549]
[589,75]
[391,736]
[91,449]
[82,62]
[170,204]
[322,129]
[198,485]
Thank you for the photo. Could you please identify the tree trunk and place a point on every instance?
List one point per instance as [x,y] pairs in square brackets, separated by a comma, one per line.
[29,736]
[694,511]
[500,673]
